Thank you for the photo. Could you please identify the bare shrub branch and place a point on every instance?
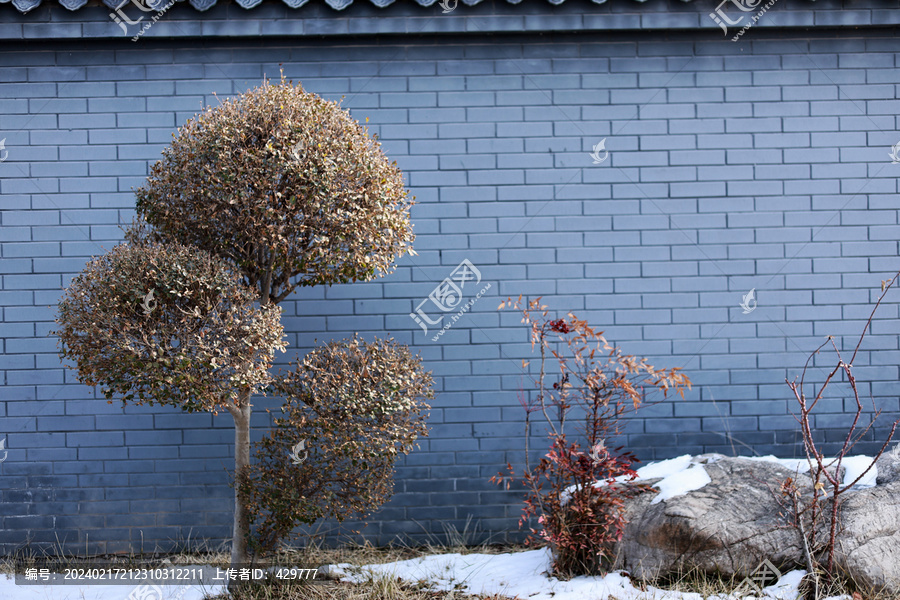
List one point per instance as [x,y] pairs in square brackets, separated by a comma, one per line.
[819,509]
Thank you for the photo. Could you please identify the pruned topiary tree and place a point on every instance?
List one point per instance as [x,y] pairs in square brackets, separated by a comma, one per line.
[353,407]
[285,185]
[168,324]
[280,189]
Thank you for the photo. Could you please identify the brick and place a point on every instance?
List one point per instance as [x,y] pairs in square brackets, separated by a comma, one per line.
[748,168]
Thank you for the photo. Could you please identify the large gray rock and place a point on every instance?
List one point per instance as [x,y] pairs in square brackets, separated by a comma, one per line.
[729,526]
[889,467]
[736,521]
[868,546]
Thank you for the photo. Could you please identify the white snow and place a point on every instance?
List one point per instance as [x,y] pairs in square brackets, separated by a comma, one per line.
[681,475]
[797,465]
[664,468]
[787,588]
[524,575]
[670,470]
[10,591]
[692,478]
[854,466]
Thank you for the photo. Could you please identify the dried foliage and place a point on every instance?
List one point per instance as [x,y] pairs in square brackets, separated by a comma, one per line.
[167,324]
[285,185]
[580,520]
[811,511]
[599,384]
[354,407]
[274,189]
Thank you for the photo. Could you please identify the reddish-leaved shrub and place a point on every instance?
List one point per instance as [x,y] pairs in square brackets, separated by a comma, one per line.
[575,489]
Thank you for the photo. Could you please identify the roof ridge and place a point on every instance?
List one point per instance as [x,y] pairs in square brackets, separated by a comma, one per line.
[25,6]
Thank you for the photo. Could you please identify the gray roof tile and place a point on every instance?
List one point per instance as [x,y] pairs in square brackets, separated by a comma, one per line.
[25,6]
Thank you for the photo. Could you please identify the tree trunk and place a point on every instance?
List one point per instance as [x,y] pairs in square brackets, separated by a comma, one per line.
[239,556]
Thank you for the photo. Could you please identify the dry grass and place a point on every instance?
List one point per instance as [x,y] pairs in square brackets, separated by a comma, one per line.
[384,587]
[379,588]
[27,557]
[313,555]
[707,585]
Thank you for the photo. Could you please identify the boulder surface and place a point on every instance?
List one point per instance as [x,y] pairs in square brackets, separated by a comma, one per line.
[889,467]
[729,526]
[737,520]
[868,543]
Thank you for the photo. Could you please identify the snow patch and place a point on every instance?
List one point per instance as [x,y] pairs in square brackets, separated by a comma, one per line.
[681,475]
[524,575]
[670,471]
[664,468]
[797,465]
[690,479]
[854,466]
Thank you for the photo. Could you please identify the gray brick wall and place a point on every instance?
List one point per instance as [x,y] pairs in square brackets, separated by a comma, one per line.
[759,164]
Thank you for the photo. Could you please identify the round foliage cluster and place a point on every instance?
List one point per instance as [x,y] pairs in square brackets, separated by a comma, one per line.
[167,324]
[287,186]
[352,407]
